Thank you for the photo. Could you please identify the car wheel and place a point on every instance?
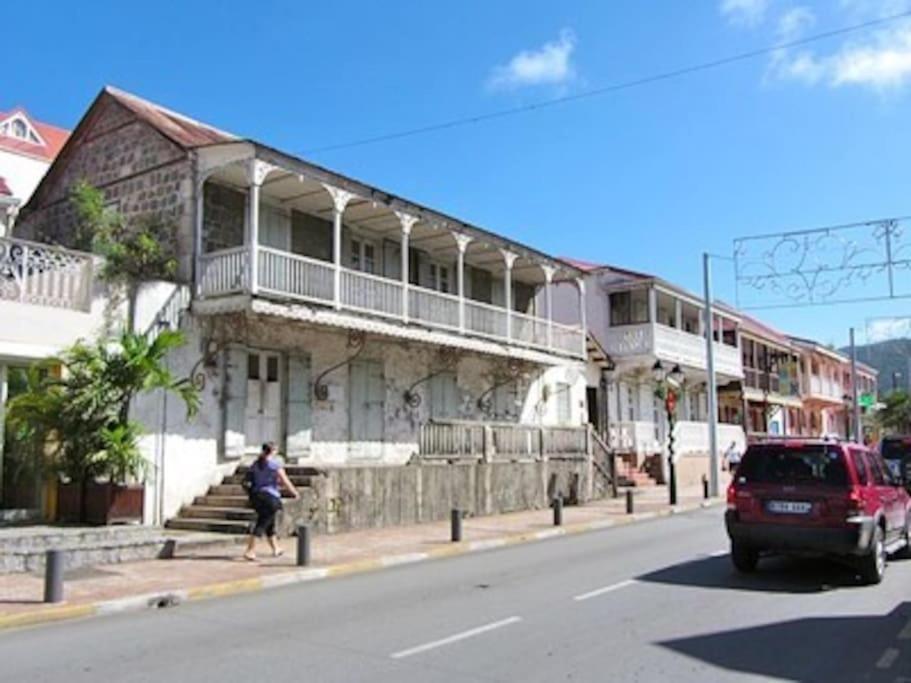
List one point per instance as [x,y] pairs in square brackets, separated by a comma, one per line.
[905,553]
[873,564]
[744,557]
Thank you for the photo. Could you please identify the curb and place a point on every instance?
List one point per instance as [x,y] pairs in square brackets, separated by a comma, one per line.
[172,598]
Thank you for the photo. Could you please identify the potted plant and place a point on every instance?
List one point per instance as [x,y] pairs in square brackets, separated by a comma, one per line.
[78,403]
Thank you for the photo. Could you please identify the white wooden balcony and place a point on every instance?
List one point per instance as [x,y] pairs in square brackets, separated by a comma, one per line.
[44,275]
[652,340]
[287,276]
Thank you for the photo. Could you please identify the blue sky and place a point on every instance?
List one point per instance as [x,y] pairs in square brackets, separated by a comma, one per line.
[646,178]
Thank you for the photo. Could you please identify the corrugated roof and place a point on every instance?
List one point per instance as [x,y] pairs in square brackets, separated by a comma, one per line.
[53,136]
[183,130]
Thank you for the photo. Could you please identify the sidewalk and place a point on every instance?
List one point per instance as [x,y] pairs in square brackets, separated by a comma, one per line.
[221,571]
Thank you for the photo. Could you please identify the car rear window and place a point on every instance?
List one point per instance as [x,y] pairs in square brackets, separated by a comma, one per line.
[812,465]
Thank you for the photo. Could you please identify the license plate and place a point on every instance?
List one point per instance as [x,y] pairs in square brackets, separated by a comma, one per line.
[788,507]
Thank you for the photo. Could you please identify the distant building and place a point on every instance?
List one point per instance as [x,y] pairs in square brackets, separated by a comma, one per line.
[27,148]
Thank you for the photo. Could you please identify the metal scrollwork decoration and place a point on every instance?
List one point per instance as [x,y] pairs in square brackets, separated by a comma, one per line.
[513,369]
[447,361]
[357,340]
[862,261]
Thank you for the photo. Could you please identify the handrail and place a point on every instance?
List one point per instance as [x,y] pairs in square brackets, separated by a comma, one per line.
[44,245]
[610,475]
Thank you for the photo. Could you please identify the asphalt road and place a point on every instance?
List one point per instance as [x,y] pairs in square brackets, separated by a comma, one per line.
[650,602]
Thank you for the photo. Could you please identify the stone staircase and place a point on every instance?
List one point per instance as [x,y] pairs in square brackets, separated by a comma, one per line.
[226,509]
[630,475]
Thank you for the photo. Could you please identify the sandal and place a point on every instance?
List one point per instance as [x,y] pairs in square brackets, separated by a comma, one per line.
[278,553]
[250,557]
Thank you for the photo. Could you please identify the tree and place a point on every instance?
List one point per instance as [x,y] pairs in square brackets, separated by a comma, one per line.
[895,415]
[76,405]
[135,250]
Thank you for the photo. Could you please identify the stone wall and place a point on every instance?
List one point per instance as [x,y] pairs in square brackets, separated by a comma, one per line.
[140,172]
[348,498]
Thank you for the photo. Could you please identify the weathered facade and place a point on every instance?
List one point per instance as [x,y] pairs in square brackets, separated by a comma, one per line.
[336,319]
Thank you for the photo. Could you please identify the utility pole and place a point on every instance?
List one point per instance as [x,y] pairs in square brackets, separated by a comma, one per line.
[712,390]
[858,431]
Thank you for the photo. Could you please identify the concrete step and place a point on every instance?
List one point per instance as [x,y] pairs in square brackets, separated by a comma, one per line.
[290,470]
[222,526]
[211,512]
[218,501]
[298,480]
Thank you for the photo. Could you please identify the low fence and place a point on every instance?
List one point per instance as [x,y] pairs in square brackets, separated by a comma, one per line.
[489,441]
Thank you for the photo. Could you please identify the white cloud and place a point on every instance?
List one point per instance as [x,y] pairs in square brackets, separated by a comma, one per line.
[551,64]
[878,60]
[744,12]
[881,62]
[795,22]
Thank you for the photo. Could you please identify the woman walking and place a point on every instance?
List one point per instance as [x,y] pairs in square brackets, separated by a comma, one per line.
[263,482]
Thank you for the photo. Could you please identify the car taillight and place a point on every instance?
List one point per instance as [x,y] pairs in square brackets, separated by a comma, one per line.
[855,503]
[732,497]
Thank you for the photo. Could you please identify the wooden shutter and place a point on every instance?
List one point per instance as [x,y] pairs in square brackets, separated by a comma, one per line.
[300,417]
[366,400]
[235,401]
[444,396]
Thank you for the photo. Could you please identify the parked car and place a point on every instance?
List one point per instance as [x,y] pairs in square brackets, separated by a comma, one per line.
[896,451]
[817,497]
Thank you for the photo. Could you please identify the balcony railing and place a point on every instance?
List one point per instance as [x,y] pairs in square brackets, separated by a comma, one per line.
[491,441]
[288,275]
[672,344]
[41,274]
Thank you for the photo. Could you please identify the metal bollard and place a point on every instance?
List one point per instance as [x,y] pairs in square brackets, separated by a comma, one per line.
[456,525]
[629,501]
[705,487]
[303,545]
[53,576]
[558,511]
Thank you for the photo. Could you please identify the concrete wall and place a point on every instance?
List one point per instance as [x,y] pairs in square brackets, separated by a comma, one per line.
[367,497]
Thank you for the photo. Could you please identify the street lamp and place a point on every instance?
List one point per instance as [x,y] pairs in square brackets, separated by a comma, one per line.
[666,386]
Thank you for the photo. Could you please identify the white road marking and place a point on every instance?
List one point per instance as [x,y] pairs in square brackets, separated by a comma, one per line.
[888,658]
[455,638]
[905,633]
[607,589]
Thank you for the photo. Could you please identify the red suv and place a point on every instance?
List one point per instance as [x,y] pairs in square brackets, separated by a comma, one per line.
[818,497]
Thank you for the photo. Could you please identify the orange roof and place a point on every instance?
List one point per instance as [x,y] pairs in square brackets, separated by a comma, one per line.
[53,136]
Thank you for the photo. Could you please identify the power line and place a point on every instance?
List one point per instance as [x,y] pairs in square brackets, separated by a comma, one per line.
[616,87]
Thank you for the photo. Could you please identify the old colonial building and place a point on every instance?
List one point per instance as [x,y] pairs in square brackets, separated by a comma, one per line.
[346,323]
[644,324]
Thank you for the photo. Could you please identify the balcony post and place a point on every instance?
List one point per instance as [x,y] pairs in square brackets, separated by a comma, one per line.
[340,199]
[652,305]
[407,221]
[678,314]
[509,258]
[462,242]
[583,317]
[549,299]
[256,173]
[198,242]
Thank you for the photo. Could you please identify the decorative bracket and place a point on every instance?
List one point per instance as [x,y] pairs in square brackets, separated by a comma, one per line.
[340,198]
[514,368]
[356,342]
[257,171]
[448,359]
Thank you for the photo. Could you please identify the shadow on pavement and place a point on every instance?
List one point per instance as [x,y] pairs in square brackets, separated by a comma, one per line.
[774,575]
[810,649]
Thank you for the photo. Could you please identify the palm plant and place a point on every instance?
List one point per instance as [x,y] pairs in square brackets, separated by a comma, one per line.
[77,404]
